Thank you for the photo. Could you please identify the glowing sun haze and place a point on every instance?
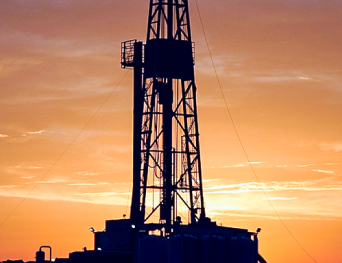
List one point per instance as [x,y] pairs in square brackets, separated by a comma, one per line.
[280,67]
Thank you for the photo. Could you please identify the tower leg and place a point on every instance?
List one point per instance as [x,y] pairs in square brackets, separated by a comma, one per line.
[137,119]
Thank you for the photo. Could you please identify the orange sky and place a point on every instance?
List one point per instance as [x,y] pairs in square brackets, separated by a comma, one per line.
[280,66]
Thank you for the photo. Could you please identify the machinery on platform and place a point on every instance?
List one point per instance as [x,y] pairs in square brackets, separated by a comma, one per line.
[167,176]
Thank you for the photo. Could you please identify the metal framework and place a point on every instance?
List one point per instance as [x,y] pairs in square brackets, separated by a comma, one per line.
[167,173]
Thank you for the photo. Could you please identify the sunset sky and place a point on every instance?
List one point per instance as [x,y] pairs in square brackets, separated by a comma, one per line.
[279,63]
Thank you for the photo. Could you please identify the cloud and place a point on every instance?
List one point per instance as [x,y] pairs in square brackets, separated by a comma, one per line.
[86,173]
[11,65]
[323,171]
[312,185]
[82,184]
[301,199]
[103,183]
[21,166]
[3,135]
[280,76]
[33,133]
[262,215]
[58,190]
[239,165]
[89,184]
[274,78]
[271,165]
[310,199]
[305,165]
[336,147]
[53,46]
[103,194]
[204,64]
[47,182]
[119,199]
[281,198]
[36,132]
[27,177]
[246,215]
[209,180]
[7,186]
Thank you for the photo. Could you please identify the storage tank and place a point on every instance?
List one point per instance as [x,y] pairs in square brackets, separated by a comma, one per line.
[152,249]
[40,256]
[214,249]
[183,249]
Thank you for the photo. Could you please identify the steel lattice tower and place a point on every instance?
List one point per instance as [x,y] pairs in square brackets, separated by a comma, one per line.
[167,173]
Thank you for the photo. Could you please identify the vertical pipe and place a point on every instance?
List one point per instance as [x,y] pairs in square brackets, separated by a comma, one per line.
[170,19]
[167,141]
[137,121]
[167,99]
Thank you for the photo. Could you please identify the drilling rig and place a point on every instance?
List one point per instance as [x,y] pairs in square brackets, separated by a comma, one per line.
[166,151]
[167,222]
[167,175]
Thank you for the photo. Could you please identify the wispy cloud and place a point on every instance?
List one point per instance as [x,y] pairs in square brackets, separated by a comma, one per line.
[89,184]
[323,171]
[262,215]
[299,200]
[7,186]
[291,199]
[203,63]
[22,166]
[281,76]
[230,166]
[82,184]
[239,165]
[103,194]
[27,177]
[72,47]
[245,215]
[33,133]
[336,147]
[47,182]
[313,185]
[305,165]
[3,135]
[275,78]
[281,198]
[61,190]
[86,173]
[11,65]
[209,180]
[100,198]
